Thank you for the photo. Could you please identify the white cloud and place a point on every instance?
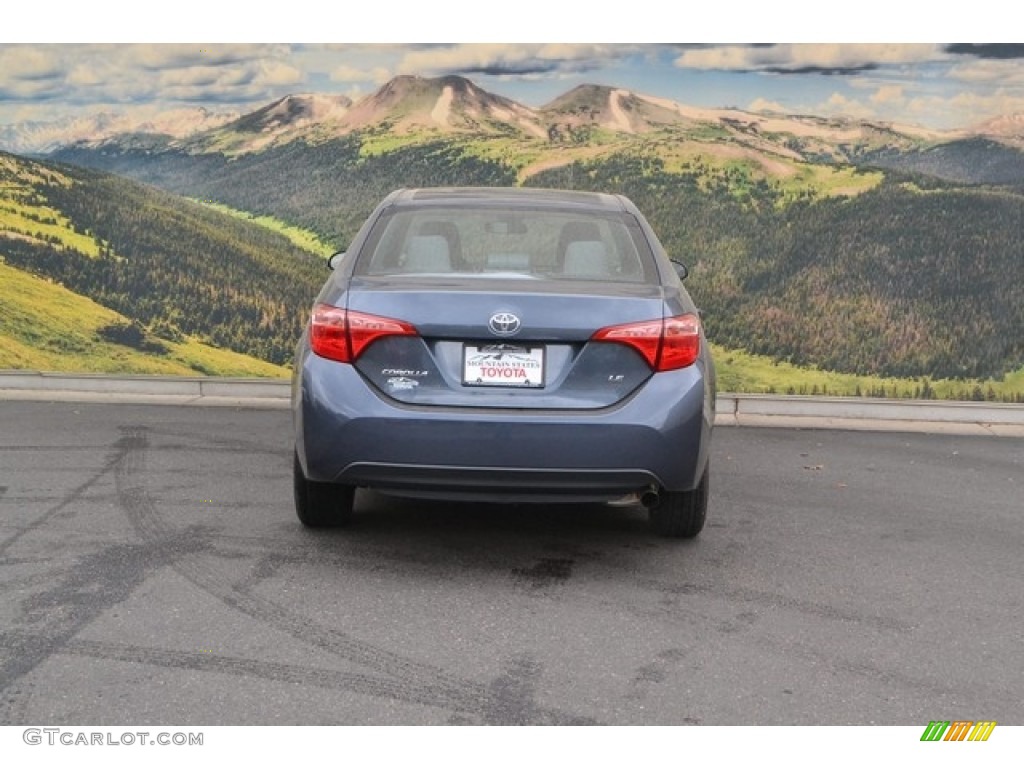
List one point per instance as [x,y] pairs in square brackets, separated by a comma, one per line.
[84,74]
[888,94]
[966,107]
[766,105]
[499,58]
[28,62]
[30,72]
[134,74]
[273,73]
[163,56]
[806,56]
[913,83]
[350,74]
[197,76]
[962,109]
[355,93]
[999,72]
[839,105]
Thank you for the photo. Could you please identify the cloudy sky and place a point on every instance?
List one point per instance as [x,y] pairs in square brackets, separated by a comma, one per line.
[931,84]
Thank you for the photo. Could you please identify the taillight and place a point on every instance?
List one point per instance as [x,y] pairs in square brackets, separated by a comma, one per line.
[666,344]
[342,335]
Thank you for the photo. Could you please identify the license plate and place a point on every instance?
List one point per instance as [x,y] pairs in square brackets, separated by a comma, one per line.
[502,365]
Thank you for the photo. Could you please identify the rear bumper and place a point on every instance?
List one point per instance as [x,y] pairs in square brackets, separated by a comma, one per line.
[497,483]
[348,432]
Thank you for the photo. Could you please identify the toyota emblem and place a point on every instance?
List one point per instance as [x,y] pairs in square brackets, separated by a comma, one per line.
[504,324]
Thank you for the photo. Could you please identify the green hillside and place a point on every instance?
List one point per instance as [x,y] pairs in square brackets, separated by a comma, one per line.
[25,214]
[830,268]
[970,161]
[303,238]
[45,327]
[330,187]
[176,269]
[181,275]
[741,371]
[902,280]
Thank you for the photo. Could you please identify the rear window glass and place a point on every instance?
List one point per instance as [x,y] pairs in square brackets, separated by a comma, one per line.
[524,244]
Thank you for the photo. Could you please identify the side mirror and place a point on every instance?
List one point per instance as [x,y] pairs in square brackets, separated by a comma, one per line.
[335,259]
[680,269]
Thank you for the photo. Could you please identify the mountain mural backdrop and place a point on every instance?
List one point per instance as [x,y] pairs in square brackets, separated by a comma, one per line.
[816,245]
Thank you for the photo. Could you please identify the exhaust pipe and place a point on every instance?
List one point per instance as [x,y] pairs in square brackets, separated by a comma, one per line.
[650,498]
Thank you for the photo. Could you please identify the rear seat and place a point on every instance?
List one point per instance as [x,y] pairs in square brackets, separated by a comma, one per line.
[508,262]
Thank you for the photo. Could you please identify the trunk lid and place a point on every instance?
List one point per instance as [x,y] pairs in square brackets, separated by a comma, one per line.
[495,342]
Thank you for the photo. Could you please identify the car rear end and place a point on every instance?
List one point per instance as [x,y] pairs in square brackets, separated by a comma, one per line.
[513,345]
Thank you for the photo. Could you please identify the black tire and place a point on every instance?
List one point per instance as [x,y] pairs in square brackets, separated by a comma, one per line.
[321,505]
[681,515]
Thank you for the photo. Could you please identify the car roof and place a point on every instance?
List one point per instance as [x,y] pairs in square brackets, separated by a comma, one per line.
[512,197]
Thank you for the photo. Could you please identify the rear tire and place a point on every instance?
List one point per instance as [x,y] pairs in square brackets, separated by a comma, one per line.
[321,505]
[681,514]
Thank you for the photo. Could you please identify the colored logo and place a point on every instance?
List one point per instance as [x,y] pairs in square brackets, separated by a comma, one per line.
[958,730]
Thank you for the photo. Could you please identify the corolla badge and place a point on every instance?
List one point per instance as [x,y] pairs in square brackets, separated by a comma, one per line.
[504,324]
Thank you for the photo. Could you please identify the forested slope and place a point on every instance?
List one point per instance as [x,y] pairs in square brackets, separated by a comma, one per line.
[174,267]
[329,188]
[909,276]
[901,280]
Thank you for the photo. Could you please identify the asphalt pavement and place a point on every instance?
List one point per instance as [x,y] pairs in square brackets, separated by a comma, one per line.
[152,571]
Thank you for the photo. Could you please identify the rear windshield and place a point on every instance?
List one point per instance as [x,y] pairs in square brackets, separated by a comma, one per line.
[519,244]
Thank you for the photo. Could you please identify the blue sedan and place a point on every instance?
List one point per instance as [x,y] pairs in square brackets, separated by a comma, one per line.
[503,345]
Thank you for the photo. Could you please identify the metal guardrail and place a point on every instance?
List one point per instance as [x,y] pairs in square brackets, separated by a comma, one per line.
[732,409]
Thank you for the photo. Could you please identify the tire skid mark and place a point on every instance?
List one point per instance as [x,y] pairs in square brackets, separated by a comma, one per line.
[239,666]
[211,443]
[774,600]
[514,692]
[873,672]
[265,567]
[416,681]
[71,599]
[52,617]
[69,498]
[144,517]
[29,580]
[48,448]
